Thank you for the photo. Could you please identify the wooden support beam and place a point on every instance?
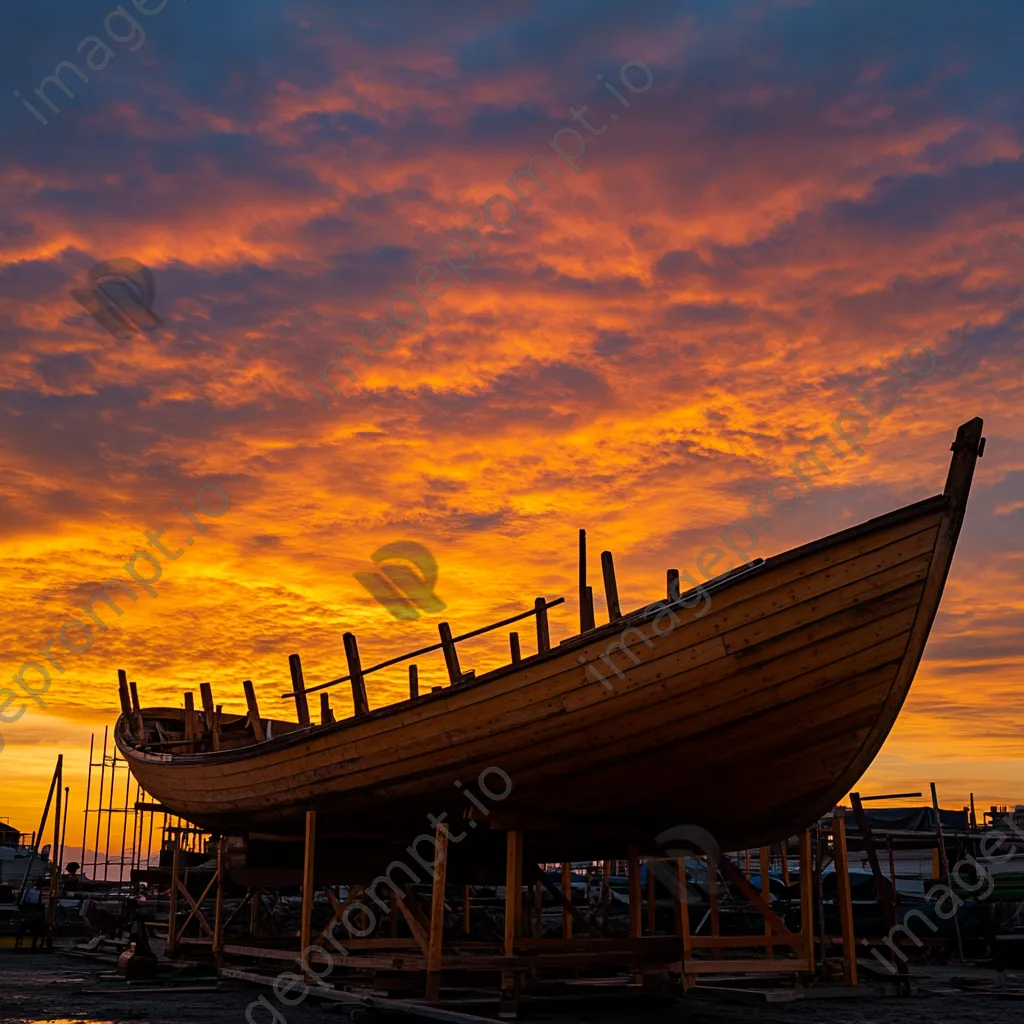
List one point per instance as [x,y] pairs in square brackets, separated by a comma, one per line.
[784,846]
[355,671]
[215,736]
[513,917]
[451,655]
[543,635]
[807,898]
[611,590]
[652,899]
[635,891]
[513,875]
[437,911]
[513,643]
[299,690]
[308,858]
[591,621]
[255,722]
[218,906]
[672,584]
[844,897]
[172,910]
[414,682]
[326,714]
[567,889]
[734,876]
[564,899]
[190,716]
[766,894]
[418,927]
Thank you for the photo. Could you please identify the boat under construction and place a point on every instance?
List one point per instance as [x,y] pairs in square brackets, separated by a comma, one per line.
[770,688]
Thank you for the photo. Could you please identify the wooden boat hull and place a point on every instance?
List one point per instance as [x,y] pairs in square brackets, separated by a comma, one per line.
[749,721]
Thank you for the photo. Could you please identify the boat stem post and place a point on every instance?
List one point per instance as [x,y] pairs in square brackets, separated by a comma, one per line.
[254,711]
[306,924]
[611,590]
[360,704]
[843,896]
[414,682]
[299,689]
[126,703]
[540,606]
[451,655]
[436,939]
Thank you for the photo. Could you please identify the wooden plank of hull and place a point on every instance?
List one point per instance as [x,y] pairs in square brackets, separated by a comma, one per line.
[842,627]
[487,728]
[801,665]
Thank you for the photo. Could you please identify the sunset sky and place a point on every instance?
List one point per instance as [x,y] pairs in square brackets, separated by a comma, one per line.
[796,192]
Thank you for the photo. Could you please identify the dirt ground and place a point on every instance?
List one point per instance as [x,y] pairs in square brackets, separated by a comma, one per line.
[56,989]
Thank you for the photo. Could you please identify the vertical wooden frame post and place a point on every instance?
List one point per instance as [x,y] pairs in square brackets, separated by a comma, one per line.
[513,914]
[308,861]
[514,650]
[299,689]
[540,607]
[683,916]
[414,682]
[451,655]
[611,590]
[172,910]
[254,711]
[766,892]
[218,906]
[844,896]
[807,899]
[190,715]
[326,714]
[567,892]
[434,948]
[355,671]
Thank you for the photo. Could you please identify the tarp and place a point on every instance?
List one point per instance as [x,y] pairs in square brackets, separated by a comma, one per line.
[909,819]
